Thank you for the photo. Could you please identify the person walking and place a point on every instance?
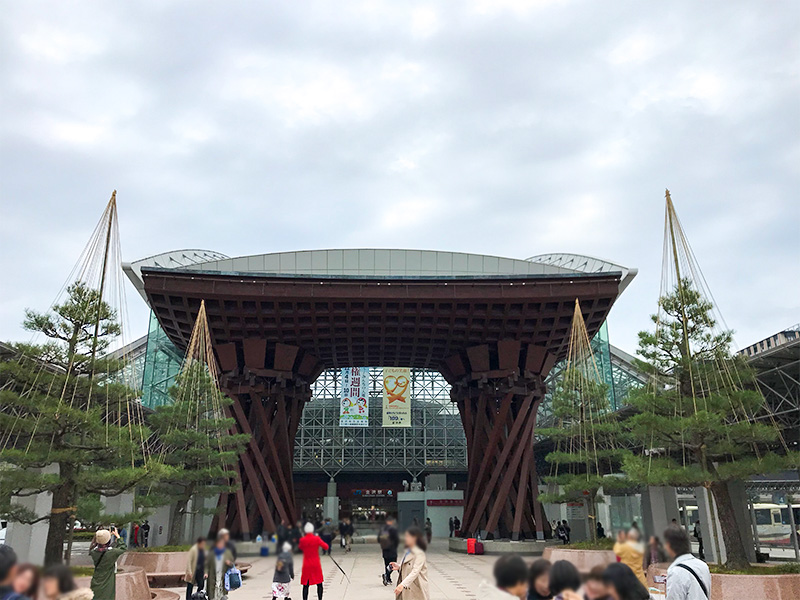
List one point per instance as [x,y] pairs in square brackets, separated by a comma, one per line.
[510,580]
[623,584]
[195,568]
[218,560]
[630,551]
[346,531]
[698,534]
[59,584]
[282,533]
[106,548]
[284,573]
[326,533]
[295,535]
[145,531]
[389,540]
[413,568]
[452,525]
[688,578]
[428,530]
[312,567]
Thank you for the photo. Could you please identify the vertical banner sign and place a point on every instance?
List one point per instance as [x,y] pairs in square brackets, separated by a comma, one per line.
[396,397]
[354,405]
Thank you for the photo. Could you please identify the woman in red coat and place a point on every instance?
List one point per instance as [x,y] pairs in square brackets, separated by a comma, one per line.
[312,568]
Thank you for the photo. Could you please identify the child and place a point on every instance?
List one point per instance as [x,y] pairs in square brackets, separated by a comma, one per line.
[284,573]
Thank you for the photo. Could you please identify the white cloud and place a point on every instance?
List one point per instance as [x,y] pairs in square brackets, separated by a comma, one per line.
[497,126]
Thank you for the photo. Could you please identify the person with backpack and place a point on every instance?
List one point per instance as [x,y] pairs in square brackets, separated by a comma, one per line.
[688,578]
[389,540]
[195,568]
[284,573]
[106,548]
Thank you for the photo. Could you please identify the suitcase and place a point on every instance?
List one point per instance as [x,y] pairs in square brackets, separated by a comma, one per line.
[471,545]
[478,548]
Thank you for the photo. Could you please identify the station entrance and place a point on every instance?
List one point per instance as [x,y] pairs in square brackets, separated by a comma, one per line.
[493,337]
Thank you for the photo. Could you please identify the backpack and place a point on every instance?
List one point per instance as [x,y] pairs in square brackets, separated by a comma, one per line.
[199,595]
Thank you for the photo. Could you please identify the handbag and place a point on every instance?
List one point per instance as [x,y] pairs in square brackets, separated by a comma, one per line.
[233,579]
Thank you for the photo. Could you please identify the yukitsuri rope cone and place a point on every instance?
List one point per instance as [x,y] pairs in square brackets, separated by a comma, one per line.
[700,421]
[70,420]
[586,434]
[199,450]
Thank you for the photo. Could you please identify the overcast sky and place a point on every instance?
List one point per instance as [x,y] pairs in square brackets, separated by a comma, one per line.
[493,126]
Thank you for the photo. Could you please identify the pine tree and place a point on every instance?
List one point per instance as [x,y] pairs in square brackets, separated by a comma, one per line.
[587,441]
[586,435]
[695,418]
[61,408]
[198,449]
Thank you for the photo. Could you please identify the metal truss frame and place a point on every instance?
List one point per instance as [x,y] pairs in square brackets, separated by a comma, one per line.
[434,443]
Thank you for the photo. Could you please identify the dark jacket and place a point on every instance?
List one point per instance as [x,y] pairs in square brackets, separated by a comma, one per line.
[284,568]
[389,539]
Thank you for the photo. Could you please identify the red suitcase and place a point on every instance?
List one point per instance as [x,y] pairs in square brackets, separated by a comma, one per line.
[478,547]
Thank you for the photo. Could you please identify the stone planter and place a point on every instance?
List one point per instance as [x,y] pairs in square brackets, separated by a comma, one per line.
[523,548]
[164,569]
[584,560]
[132,585]
[729,587]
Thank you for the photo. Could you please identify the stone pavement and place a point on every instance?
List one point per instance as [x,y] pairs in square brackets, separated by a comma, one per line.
[452,576]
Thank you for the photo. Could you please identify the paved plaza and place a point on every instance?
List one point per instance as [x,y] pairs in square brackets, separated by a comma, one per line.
[451,575]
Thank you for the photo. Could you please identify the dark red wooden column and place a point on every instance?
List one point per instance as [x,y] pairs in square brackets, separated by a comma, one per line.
[497,388]
[269,387]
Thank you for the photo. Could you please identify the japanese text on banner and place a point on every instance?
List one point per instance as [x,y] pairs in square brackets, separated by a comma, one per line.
[354,405]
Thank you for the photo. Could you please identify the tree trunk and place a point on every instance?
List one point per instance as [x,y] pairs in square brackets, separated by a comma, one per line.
[60,515]
[176,522]
[736,554]
[591,513]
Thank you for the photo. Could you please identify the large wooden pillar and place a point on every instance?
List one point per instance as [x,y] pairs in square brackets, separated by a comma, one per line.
[268,406]
[497,388]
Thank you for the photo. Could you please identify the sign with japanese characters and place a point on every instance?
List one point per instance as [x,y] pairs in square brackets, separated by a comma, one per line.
[396,397]
[354,404]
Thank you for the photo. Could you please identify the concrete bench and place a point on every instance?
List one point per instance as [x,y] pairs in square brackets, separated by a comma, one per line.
[164,569]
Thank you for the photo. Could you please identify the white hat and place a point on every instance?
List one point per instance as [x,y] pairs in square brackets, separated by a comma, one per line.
[309,528]
[287,547]
[103,536]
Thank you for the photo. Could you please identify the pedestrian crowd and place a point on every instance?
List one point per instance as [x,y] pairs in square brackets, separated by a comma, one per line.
[688,578]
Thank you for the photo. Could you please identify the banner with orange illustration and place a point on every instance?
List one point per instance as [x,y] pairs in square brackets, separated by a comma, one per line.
[396,397]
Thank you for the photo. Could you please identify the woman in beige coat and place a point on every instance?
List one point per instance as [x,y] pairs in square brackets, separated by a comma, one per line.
[413,568]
